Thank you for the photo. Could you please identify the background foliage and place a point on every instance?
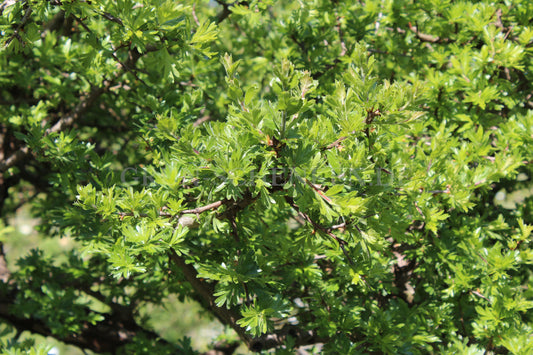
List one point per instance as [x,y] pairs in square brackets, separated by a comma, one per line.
[316,174]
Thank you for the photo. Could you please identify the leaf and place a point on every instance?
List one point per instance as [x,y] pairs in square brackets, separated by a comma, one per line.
[205,34]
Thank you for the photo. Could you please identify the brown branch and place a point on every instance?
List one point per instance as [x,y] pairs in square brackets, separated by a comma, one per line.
[112,18]
[427,38]
[22,23]
[338,226]
[4,271]
[233,206]
[80,109]
[13,159]
[335,144]
[403,273]
[421,36]
[56,23]
[328,231]
[301,45]
[194,15]
[201,120]
[108,335]
[206,292]
[22,153]
[498,23]
[479,294]
[223,349]
[370,115]
[198,210]
[279,338]
[340,33]
[225,12]
[211,206]
[128,67]
[230,316]
[234,232]
[5,4]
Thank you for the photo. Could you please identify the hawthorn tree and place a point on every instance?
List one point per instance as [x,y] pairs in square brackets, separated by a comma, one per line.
[316,174]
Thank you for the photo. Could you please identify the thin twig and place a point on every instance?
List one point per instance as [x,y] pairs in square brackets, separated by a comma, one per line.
[342,243]
[211,206]
[194,15]
[126,68]
[81,108]
[112,18]
[199,210]
[23,22]
[226,9]
[335,144]
[58,126]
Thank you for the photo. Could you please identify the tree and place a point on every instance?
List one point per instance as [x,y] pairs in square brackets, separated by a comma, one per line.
[313,174]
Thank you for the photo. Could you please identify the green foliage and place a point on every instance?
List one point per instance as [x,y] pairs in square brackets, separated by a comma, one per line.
[24,347]
[316,172]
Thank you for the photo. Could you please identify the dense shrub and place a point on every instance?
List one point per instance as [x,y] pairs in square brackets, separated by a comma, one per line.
[317,174]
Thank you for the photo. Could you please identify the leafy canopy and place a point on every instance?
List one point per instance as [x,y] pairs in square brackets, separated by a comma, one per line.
[317,174]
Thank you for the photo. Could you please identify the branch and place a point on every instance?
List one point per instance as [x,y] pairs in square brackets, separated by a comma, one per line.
[133,56]
[206,292]
[335,144]
[118,328]
[13,159]
[80,109]
[198,210]
[4,271]
[426,37]
[222,15]
[202,120]
[421,36]
[343,49]
[279,338]
[15,34]
[223,349]
[225,12]
[328,231]
[211,206]
[107,335]
[230,316]
[112,18]
[127,67]
[5,4]
[68,120]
